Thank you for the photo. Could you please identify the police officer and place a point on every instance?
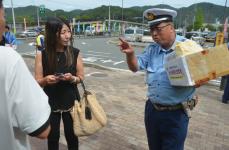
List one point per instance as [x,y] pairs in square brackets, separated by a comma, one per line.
[165,119]
[39,40]
[10,39]
[225,79]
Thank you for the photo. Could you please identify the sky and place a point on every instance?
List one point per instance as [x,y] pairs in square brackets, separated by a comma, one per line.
[69,5]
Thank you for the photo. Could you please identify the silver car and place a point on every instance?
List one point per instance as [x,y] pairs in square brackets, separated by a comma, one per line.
[133,34]
[28,33]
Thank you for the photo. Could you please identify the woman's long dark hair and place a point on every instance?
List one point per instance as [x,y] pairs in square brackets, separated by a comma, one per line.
[53,28]
[1,4]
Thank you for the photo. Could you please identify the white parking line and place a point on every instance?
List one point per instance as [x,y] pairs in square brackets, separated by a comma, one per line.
[90,59]
[86,54]
[89,74]
[106,61]
[119,62]
[99,52]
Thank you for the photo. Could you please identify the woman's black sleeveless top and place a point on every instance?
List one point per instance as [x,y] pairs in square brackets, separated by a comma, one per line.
[62,94]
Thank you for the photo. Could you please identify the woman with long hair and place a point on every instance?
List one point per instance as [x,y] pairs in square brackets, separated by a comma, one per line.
[58,69]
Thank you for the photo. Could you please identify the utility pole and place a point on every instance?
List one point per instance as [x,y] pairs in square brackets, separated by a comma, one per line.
[122,19]
[38,17]
[193,22]
[12,6]
[109,21]
[194,18]
[122,10]
[225,19]
[143,23]
[224,13]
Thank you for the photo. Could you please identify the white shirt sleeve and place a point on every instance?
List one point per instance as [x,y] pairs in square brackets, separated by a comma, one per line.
[30,108]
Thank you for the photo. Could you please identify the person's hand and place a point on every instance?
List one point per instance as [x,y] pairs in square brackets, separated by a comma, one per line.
[64,77]
[51,79]
[125,47]
[67,77]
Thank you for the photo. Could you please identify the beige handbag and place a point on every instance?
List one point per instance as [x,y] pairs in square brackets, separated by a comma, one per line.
[88,115]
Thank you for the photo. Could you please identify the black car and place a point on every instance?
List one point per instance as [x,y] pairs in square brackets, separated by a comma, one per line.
[211,36]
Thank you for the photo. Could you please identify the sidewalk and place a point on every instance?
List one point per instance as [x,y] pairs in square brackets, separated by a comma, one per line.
[122,95]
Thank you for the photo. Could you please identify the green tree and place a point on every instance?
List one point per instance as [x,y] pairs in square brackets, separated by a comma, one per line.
[189,28]
[199,19]
[210,27]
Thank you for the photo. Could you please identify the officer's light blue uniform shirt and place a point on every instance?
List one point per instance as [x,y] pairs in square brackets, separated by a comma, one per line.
[10,38]
[160,90]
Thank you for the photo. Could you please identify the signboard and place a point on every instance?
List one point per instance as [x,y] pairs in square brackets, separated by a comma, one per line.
[42,9]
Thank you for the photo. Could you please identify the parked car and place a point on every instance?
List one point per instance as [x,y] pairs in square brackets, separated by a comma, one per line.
[196,36]
[179,33]
[204,34]
[28,33]
[133,34]
[189,35]
[146,37]
[90,30]
[210,37]
[198,39]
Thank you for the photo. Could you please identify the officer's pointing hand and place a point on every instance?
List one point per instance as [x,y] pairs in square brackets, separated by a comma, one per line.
[125,47]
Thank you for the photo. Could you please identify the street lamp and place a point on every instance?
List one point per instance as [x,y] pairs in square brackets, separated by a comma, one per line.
[122,10]
[224,13]
[109,21]
[13,16]
[122,19]
[38,17]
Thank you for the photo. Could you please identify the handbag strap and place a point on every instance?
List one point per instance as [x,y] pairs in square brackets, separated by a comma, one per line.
[83,85]
[87,108]
[88,113]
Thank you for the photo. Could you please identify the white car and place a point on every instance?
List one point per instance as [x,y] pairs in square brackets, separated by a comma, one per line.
[146,37]
[198,38]
[90,30]
[133,34]
[28,33]
[195,36]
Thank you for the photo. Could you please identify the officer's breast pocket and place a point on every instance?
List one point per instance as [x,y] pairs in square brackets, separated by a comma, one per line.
[151,76]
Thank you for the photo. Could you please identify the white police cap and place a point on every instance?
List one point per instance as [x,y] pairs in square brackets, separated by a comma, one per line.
[158,15]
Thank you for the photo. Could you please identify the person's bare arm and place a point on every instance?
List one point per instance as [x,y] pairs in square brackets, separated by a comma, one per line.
[42,81]
[45,133]
[42,132]
[80,68]
[39,70]
[130,56]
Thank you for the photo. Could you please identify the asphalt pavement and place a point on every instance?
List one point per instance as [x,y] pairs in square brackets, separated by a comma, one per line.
[123,96]
[97,50]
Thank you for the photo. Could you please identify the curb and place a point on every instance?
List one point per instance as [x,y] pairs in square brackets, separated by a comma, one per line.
[131,43]
[97,66]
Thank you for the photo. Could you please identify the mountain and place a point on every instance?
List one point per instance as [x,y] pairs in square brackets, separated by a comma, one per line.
[211,13]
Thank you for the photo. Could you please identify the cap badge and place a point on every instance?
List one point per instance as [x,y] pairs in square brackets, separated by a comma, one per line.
[150,16]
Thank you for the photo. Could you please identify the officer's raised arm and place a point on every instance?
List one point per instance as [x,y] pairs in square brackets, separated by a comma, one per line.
[131,59]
